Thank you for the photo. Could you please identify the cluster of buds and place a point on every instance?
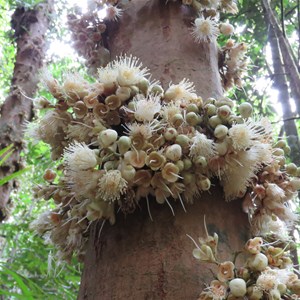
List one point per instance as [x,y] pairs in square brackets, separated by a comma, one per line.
[266,274]
[123,138]
[232,64]
[88,32]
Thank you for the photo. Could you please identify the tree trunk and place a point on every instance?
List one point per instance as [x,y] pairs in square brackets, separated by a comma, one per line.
[287,53]
[30,27]
[137,258]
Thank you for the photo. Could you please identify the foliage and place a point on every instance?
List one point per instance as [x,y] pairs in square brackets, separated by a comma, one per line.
[25,270]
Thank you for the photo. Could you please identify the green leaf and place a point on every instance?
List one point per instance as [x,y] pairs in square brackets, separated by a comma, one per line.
[6,149]
[13,175]
[7,155]
[20,282]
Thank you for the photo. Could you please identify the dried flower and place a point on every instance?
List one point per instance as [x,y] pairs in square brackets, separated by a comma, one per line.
[253,246]
[225,271]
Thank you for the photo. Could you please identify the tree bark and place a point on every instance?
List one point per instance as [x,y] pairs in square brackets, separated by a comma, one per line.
[30,27]
[141,259]
[137,258]
[159,34]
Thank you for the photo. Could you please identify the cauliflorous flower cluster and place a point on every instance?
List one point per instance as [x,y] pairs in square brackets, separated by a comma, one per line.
[88,30]
[266,274]
[123,139]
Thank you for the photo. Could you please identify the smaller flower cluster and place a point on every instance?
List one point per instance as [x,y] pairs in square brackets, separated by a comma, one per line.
[232,64]
[206,28]
[266,274]
[88,31]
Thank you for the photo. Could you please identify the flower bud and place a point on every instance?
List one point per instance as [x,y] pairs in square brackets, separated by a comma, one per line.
[211,109]
[192,118]
[200,161]
[187,163]
[258,262]
[177,120]
[280,144]
[220,131]
[174,152]
[204,184]
[157,90]
[238,287]
[224,112]
[291,169]
[182,140]
[124,144]
[180,165]
[245,109]
[143,85]
[128,172]
[123,93]
[170,134]
[214,121]
[107,137]
[192,107]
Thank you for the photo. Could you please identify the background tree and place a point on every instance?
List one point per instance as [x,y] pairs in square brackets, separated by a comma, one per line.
[30,26]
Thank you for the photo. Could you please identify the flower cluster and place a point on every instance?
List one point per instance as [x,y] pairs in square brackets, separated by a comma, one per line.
[233,64]
[88,31]
[123,139]
[206,28]
[266,274]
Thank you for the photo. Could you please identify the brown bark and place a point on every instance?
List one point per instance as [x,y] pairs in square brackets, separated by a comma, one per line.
[137,258]
[159,34]
[30,27]
[141,259]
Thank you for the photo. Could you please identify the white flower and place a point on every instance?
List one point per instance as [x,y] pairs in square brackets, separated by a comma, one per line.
[276,227]
[242,167]
[184,90]
[130,71]
[78,157]
[205,30]
[113,13]
[108,74]
[111,186]
[202,146]
[146,108]
[245,135]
